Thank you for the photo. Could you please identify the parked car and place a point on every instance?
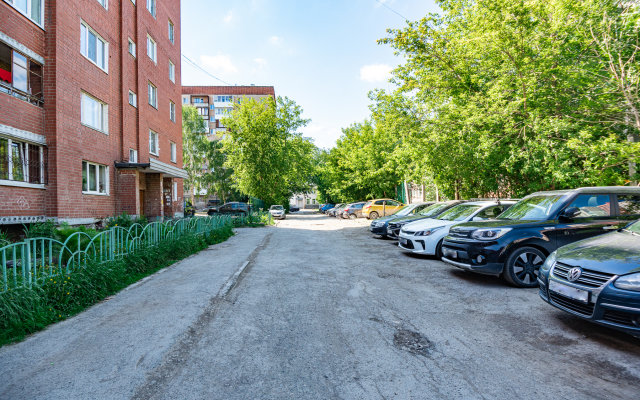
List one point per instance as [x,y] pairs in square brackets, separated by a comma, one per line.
[517,243]
[379,226]
[425,236]
[326,207]
[353,210]
[394,226]
[294,208]
[189,209]
[234,207]
[337,211]
[277,212]
[597,279]
[380,208]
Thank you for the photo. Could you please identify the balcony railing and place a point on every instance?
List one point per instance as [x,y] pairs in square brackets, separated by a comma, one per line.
[10,90]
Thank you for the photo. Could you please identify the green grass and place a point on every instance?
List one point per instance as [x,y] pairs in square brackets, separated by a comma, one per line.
[24,311]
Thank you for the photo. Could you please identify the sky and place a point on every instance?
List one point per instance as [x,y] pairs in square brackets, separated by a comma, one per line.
[323,54]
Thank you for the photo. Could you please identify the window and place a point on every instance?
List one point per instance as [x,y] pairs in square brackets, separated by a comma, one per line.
[32,9]
[173,152]
[93,47]
[172,111]
[204,112]
[153,143]
[175,191]
[592,205]
[95,178]
[223,99]
[94,113]
[212,131]
[211,107]
[104,3]
[172,72]
[152,50]
[489,213]
[151,6]
[212,119]
[20,76]
[153,95]
[133,99]
[21,161]
[171,32]
[133,156]
[185,100]
[629,204]
[132,47]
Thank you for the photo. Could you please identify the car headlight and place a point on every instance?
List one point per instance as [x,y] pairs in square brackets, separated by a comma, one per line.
[429,231]
[628,282]
[489,233]
[548,263]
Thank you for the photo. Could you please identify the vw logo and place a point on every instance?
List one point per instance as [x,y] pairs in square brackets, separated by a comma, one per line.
[574,273]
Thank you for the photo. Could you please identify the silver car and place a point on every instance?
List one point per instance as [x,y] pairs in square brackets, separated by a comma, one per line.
[277,212]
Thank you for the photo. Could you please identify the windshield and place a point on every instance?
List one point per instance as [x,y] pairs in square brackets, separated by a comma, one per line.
[276,208]
[537,208]
[404,211]
[459,212]
[434,209]
[634,228]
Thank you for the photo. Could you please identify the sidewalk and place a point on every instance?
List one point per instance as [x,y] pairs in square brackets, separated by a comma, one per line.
[106,351]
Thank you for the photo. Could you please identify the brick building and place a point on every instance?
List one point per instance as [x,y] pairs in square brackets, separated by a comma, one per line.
[216,102]
[90,113]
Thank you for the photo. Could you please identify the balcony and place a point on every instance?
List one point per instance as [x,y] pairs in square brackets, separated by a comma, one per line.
[223,104]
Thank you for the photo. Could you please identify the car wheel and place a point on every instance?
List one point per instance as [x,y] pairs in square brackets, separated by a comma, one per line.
[522,266]
[373,215]
[439,249]
[353,216]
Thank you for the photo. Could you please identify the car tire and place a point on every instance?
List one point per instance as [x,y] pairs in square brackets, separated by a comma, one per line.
[522,266]
[439,249]
[352,216]
[373,215]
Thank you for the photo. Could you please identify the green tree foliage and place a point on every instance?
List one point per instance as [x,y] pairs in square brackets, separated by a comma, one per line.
[271,160]
[505,97]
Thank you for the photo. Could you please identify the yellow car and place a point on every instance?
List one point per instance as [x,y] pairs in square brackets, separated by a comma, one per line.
[380,208]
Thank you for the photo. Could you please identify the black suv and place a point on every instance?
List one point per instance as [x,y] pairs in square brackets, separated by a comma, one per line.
[517,243]
[234,207]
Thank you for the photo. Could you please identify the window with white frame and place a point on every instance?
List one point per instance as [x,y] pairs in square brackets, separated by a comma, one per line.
[152,49]
[171,32]
[173,152]
[153,143]
[172,72]
[153,95]
[93,47]
[132,47]
[175,191]
[185,100]
[172,111]
[95,178]
[223,99]
[32,9]
[21,161]
[104,3]
[133,99]
[94,113]
[133,156]
[151,6]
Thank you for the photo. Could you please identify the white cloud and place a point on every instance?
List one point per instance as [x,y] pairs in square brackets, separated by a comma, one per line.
[261,62]
[275,40]
[227,18]
[219,63]
[375,73]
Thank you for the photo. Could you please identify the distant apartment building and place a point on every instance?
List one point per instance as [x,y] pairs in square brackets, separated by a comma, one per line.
[90,111]
[216,102]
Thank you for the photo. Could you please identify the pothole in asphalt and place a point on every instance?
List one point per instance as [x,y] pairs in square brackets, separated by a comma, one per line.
[413,342]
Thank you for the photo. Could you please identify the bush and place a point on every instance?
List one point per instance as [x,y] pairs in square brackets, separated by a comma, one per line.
[41,229]
[125,220]
[24,311]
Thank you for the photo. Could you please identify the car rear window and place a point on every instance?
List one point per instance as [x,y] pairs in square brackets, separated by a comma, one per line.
[592,205]
[435,209]
[534,208]
[629,204]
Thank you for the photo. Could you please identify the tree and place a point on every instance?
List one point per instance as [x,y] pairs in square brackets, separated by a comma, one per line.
[194,149]
[269,157]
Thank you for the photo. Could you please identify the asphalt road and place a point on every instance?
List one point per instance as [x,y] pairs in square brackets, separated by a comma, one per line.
[316,308]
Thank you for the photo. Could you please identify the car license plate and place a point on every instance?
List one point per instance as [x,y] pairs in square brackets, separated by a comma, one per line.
[403,241]
[569,291]
[449,253]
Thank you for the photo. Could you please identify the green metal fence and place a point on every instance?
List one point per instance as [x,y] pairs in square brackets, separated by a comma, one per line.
[32,261]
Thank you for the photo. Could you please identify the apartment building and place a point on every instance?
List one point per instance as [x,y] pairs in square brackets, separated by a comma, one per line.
[90,110]
[216,102]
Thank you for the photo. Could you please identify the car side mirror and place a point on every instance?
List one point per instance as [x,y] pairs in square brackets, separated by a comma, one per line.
[570,213]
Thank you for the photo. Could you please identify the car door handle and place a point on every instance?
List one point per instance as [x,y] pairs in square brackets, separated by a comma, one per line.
[610,228]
